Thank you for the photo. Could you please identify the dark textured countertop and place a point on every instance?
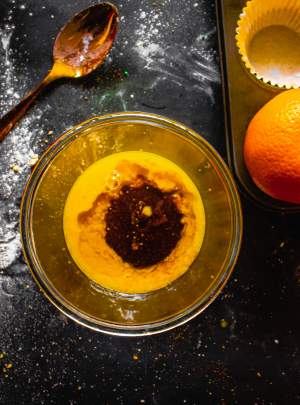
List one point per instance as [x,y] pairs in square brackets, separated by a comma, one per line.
[244,349]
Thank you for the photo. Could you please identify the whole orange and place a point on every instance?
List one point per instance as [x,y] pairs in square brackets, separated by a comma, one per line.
[272,147]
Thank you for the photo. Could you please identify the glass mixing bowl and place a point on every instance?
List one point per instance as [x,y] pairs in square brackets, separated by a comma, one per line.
[44,244]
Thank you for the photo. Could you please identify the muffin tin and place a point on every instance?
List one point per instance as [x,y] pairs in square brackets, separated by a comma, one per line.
[243,97]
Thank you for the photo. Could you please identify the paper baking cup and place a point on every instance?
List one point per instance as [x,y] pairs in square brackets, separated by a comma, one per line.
[268,39]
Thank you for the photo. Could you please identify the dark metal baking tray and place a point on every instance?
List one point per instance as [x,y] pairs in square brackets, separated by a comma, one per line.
[243,97]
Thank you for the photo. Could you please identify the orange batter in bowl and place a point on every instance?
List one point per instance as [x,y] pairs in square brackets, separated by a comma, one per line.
[134,222]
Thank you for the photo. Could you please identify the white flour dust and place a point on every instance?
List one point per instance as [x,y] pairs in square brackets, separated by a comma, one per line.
[192,65]
[149,37]
[16,154]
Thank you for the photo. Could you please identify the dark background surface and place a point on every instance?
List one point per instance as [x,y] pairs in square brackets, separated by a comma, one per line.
[245,348]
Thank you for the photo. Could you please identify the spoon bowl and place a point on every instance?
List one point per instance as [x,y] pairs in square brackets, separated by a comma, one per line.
[80,47]
[83,44]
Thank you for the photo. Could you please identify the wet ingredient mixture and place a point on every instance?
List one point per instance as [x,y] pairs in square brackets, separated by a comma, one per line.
[134,222]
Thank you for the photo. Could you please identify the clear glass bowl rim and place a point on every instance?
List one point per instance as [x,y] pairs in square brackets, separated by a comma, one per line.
[37,273]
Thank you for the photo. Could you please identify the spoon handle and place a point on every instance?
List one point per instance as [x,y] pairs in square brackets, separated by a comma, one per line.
[9,120]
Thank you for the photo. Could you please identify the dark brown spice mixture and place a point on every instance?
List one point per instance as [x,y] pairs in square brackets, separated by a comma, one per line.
[143,224]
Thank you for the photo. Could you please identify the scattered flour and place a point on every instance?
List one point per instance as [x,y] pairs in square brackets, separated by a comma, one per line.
[192,65]
[149,35]
[148,50]
[16,154]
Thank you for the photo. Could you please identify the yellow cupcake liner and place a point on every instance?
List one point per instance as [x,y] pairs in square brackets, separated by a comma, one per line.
[268,40]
